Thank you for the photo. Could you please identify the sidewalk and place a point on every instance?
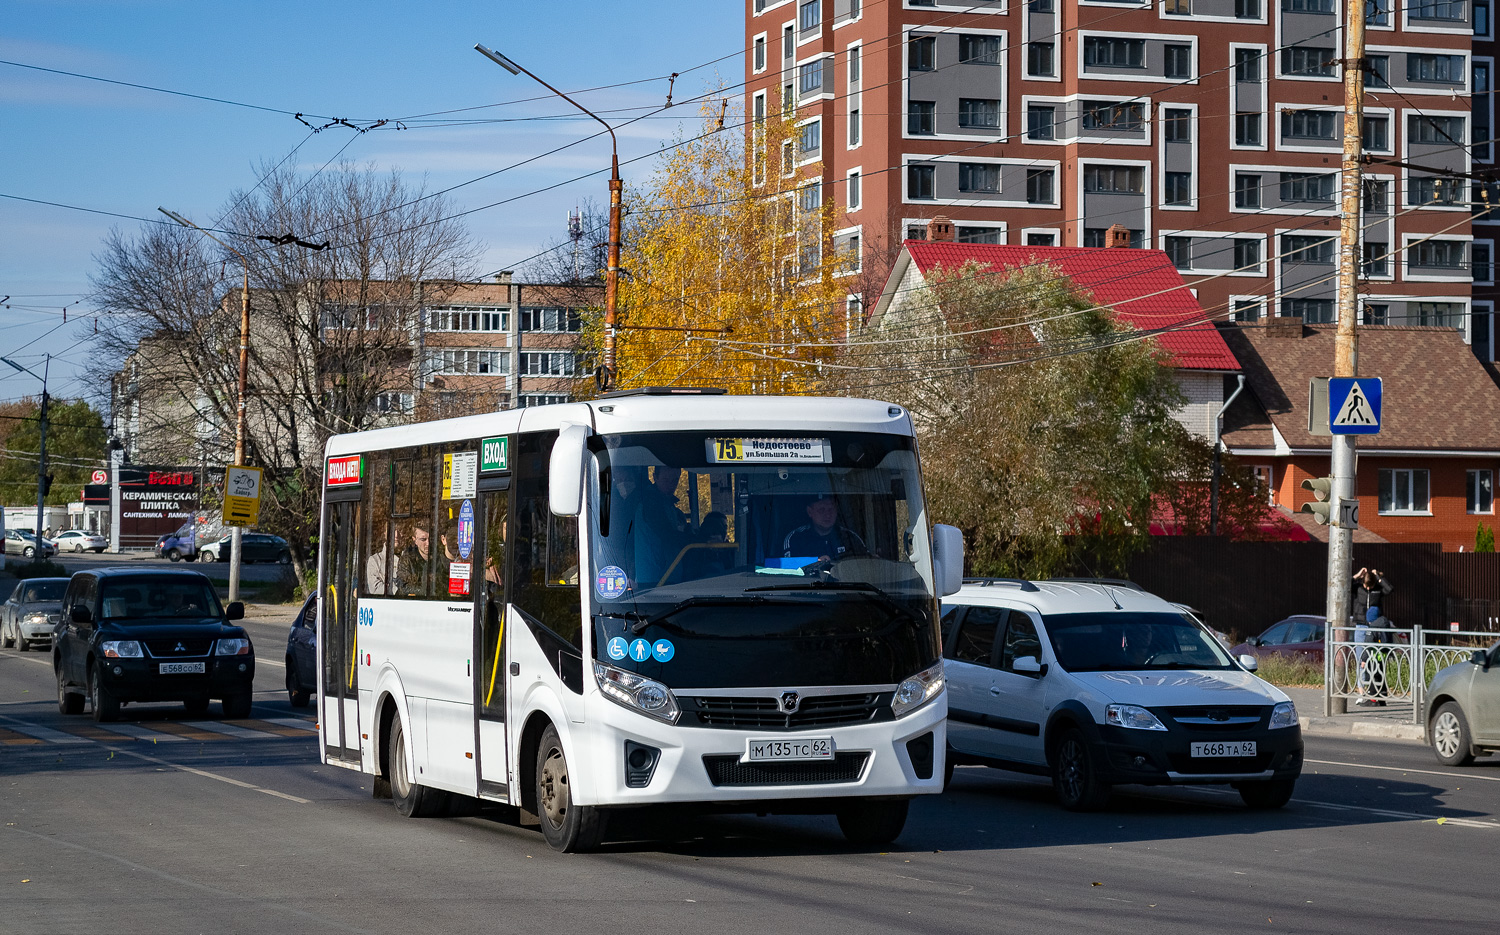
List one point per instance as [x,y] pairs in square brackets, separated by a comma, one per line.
[1392,722]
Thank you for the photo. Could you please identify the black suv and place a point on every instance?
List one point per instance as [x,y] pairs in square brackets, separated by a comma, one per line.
[161,635]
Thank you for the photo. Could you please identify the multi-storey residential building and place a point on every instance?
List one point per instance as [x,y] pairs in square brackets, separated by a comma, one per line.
[1211,129]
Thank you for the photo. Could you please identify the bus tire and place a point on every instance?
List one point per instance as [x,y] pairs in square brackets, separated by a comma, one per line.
[413,800]
[567,827]
[871,822]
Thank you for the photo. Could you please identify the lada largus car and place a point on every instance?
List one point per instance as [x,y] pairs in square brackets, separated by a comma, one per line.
[157,635]
[1463,708]
[1103,684]
[32,612]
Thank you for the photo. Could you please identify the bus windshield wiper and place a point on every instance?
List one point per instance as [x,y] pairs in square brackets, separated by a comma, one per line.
[642,622]
[859,587]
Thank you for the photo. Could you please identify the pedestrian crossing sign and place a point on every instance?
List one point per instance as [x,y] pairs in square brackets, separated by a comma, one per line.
[1354,405]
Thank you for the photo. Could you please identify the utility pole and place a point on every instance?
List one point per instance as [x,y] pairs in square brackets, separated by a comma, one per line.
[39,554]
[606,376]
[1346,344]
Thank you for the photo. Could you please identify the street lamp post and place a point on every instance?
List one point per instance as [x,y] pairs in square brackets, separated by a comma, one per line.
[616,189]
[235,548]
[39,553]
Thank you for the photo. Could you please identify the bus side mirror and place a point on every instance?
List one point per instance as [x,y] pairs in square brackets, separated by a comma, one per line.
[565,471]
[947,558]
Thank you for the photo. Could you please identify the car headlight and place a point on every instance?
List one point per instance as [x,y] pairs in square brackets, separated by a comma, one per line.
[234,647]
[916,691]
[1284,715]
[37,618]
[121,649]
[1132,716]
[637,693]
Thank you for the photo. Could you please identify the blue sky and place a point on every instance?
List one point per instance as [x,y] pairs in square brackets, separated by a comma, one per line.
[124,150]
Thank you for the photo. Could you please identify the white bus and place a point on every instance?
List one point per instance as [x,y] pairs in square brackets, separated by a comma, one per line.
[659,596]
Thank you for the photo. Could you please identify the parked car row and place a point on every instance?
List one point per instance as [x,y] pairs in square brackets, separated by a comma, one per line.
[187,545]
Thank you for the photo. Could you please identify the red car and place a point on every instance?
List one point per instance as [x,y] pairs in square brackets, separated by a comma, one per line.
[1300,635]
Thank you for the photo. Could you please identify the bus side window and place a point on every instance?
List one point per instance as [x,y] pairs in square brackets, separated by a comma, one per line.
[376,580]
[543,545]
[419,553]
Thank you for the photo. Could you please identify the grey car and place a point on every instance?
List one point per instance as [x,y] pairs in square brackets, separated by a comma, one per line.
[1463,708]
[32,612]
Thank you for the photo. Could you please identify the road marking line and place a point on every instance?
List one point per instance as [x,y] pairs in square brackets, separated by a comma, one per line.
[39,660]
[45,734]
[229,730]
[1409,816]
[141,733]
[11,737]
[268,727]
[215,776]
[296,722]
[186,732]
[1401,769]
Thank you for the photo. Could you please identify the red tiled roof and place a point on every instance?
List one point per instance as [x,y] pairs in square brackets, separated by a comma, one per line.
[1142,286]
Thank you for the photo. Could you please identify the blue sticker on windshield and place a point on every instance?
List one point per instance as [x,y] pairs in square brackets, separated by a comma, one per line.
[640,650]
[611,582]
[663,650]
[466,529]
[617,648]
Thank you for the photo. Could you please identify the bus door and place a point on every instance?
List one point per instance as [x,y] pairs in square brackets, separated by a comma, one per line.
[490,638]
[338,699]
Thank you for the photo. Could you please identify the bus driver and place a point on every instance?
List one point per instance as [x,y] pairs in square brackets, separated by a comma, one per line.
[824,537]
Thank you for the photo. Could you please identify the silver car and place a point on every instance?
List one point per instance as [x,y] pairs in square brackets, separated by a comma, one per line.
[1463,708]
[32,612]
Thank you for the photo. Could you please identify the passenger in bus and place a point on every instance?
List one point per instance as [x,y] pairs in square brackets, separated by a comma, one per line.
[658,527]
[415,567]
[825,536]
[375,572]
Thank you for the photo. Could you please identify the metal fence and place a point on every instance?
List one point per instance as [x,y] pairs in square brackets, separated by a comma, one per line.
[1394,665]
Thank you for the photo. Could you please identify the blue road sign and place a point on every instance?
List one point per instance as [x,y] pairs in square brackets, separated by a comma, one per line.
[1354,405]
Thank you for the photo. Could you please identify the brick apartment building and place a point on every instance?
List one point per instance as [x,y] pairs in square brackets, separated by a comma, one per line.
[1210,129]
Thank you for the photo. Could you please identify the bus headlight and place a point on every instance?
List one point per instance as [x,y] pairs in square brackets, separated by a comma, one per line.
[637,693]
[917,690]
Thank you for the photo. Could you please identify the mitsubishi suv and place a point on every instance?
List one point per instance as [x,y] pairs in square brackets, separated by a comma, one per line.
[159,635]
[1099,684]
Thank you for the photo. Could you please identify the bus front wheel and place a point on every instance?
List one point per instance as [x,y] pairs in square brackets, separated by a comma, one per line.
[413,800]
[567,827]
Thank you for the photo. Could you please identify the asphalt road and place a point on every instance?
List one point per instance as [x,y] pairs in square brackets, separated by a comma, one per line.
[162,824]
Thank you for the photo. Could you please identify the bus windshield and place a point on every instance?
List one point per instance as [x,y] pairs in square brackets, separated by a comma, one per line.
[757,560]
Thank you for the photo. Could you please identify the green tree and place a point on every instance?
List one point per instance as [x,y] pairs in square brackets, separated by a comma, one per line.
[1484,538]
[75,447]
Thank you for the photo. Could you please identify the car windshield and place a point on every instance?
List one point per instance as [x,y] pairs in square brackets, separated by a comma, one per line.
[39,591]
[1132,641]
[766,560]
[157,598]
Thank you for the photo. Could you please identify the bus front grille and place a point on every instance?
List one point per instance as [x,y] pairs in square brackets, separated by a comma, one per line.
[727,770]
[765,714]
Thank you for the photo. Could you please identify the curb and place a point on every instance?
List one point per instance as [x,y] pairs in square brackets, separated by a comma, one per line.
[1363,728]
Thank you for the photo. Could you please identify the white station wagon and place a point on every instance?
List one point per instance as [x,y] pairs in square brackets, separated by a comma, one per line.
[1099,683]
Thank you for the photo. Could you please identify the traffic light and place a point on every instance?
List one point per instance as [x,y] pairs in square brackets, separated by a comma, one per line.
[1321,508]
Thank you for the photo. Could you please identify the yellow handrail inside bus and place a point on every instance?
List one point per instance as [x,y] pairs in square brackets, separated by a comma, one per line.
[495,666]
[688,548]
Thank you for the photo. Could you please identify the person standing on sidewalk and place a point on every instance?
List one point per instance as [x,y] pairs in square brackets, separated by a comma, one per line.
[1370,589]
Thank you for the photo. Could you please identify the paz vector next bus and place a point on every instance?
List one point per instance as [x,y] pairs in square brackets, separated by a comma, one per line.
[659,596]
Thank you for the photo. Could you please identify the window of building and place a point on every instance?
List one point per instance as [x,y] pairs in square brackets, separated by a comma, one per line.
[1481,262]
[1246,254]
[788,158]
[916,232]
[1307,6]
[1309,124]
[1377,12]
[1039,59]
[1375,313]
[919,182]
[1097,236]
[1177,7]
[1307,187]
[921,53]
[1247,9]
[542,399]
[1177,61]
[547,363]
[551,320]
[1311,311]
[1404,490]
[760,109]
[467,318]
[760,53]
[392,403]
[1480,485]
[1439,68]
[855,64]
[1039,186]
[854,127]
[1036,239]
[853,190]
[1114,52]
[1309,61]
[1376,133]
[1106,115]
[810,15]
[977,234]
[1375,258]
[1246,190]
[1129,180]
[1482,332]
[788,42]
[979,50]
[1177,126]
[1041,6]
[1177,188]
[978,177]
[810,197]
[1040,121]
[978,112]
[1436,254]
[1424,129]
[1247,64]
[810,137]
[810,77]
[1433,191]
[1247,129]
[1443,11]
[465,361]
[1480,88]
[1377,196]
[1436,314]
[1300,248]
[852,251]
[1249,309]
[1378,74]
[921,118]
[1179,250]
[1481,17]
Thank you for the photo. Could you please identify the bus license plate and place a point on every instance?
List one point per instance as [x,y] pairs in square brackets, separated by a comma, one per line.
[181,668]
[806,748]
[1225,748]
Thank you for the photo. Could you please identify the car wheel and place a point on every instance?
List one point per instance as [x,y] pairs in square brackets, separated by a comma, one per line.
[285,558]
[1450,736]
[106,706]
[868,823]
[22,644]
[196,707]
[298,696]
[174,555]
[28,552]
[209,557]
[236,706]
[1075,774]
[413,800]
[567,827]
[1266,793]
[68,702]
[6,639]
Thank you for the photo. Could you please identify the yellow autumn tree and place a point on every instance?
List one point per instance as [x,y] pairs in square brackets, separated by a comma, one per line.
[730,245]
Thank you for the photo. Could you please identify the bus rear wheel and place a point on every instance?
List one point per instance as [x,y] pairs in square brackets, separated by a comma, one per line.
[413,800]
[870,822]
[567,827]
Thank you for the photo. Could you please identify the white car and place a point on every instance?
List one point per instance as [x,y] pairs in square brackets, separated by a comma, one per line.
[76,540]
[1102,684]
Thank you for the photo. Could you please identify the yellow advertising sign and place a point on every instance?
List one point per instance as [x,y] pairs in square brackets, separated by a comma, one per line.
[242,487]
